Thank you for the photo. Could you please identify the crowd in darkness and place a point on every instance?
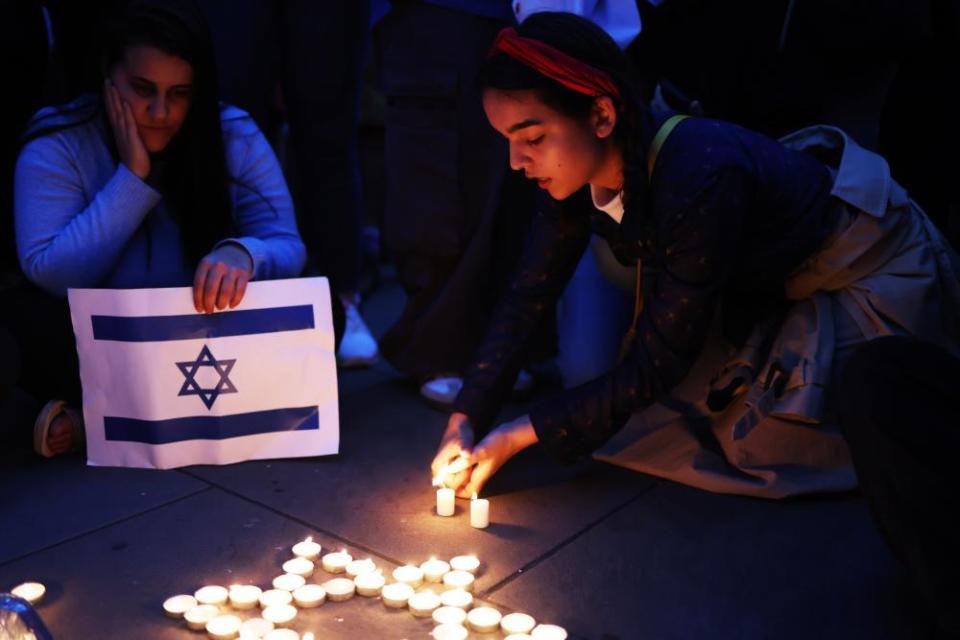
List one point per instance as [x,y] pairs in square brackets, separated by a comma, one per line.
[579,201]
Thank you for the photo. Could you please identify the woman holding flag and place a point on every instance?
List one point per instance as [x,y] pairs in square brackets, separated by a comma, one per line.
[152,183]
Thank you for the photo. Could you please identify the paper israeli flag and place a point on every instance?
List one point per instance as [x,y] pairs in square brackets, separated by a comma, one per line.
[165,386]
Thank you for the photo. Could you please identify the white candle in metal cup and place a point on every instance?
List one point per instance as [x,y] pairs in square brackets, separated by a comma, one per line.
[449,615]
[212,594]
[434,570]
[483,619]
[409,574]
[176,606]
[309,596]
[450,632]
[32,592]
[517,623]
[359,567]
[307,549]
[275,597]
[336,562]
[465,563]
[299,567]
[548,632]
[396,595]
[198,617]
[289,582]
[423,603]
[457,598]
[459,580]
[370,584]
[339,589]
[225,627]
[281,615]
[244,596]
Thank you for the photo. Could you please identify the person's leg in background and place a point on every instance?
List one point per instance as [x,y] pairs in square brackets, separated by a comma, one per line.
[895,399]
[323,48]
[449,193]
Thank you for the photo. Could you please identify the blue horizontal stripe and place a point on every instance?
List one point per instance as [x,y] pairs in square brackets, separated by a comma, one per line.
[211,427]
[200,325]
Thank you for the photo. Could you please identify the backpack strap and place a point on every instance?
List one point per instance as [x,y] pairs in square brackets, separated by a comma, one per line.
[658,139]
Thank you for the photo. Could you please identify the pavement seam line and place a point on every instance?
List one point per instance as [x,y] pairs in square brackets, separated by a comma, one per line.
[105,526]
[486,593]
[298,520]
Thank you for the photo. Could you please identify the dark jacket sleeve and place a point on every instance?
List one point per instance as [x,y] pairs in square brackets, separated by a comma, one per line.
[558,236]
[696,243]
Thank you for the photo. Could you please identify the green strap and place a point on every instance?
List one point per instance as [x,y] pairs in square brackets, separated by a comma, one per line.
[662,133]
[661,136]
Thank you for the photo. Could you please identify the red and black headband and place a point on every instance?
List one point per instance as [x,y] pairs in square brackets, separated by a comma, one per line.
[557,65]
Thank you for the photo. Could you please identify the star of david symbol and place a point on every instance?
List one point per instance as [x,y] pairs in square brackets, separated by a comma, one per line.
[192,388]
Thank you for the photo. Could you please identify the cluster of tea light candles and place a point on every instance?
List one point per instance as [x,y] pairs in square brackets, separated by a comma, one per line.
[446,497]
[214,608]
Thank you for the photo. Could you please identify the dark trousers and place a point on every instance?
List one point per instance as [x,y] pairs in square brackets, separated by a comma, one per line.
[897,406]
[455,215]
[315,52]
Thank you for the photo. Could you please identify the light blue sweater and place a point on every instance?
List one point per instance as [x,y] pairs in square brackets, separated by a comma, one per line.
[84,220]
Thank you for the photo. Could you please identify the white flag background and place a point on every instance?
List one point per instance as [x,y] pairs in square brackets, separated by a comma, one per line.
[165,386]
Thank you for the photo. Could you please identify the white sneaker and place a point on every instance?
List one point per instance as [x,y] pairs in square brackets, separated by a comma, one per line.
[358,348]
[443,391]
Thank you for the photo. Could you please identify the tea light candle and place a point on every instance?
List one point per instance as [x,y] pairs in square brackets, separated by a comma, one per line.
[449,615]
[359,567]
[517,623]
[457,598]
[446,502]
[275,597]
[465,563]
[548,632]
[484,619]
[289,582]
[479,512]
[336,562]
[283,634]
[32,592]
[409,574]
[458,580]
[299,567]
[224,627]
[174,606]
[307,549]
[198,617]
[423,603]
[396,595]
[339,589]
[309,596]
[280,614]
[369,584]
[213,594]
[518,636]
[450,632]
[255,628]
[434,569]
[244,596]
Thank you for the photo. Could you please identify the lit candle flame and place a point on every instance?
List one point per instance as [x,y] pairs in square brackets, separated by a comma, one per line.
[308,539]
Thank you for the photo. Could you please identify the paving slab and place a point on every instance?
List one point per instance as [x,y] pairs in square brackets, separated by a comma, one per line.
[111,583]
[679,563]
[377,491]
[46,501]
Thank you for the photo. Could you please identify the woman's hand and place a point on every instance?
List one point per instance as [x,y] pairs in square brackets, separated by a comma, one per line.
[132,151]
[221,278]
[454,446]
[493,451]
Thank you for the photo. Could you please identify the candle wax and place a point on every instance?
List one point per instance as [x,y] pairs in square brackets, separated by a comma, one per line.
[423,604]
[289,582]
[212,594]
[198,617]
[255,628]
